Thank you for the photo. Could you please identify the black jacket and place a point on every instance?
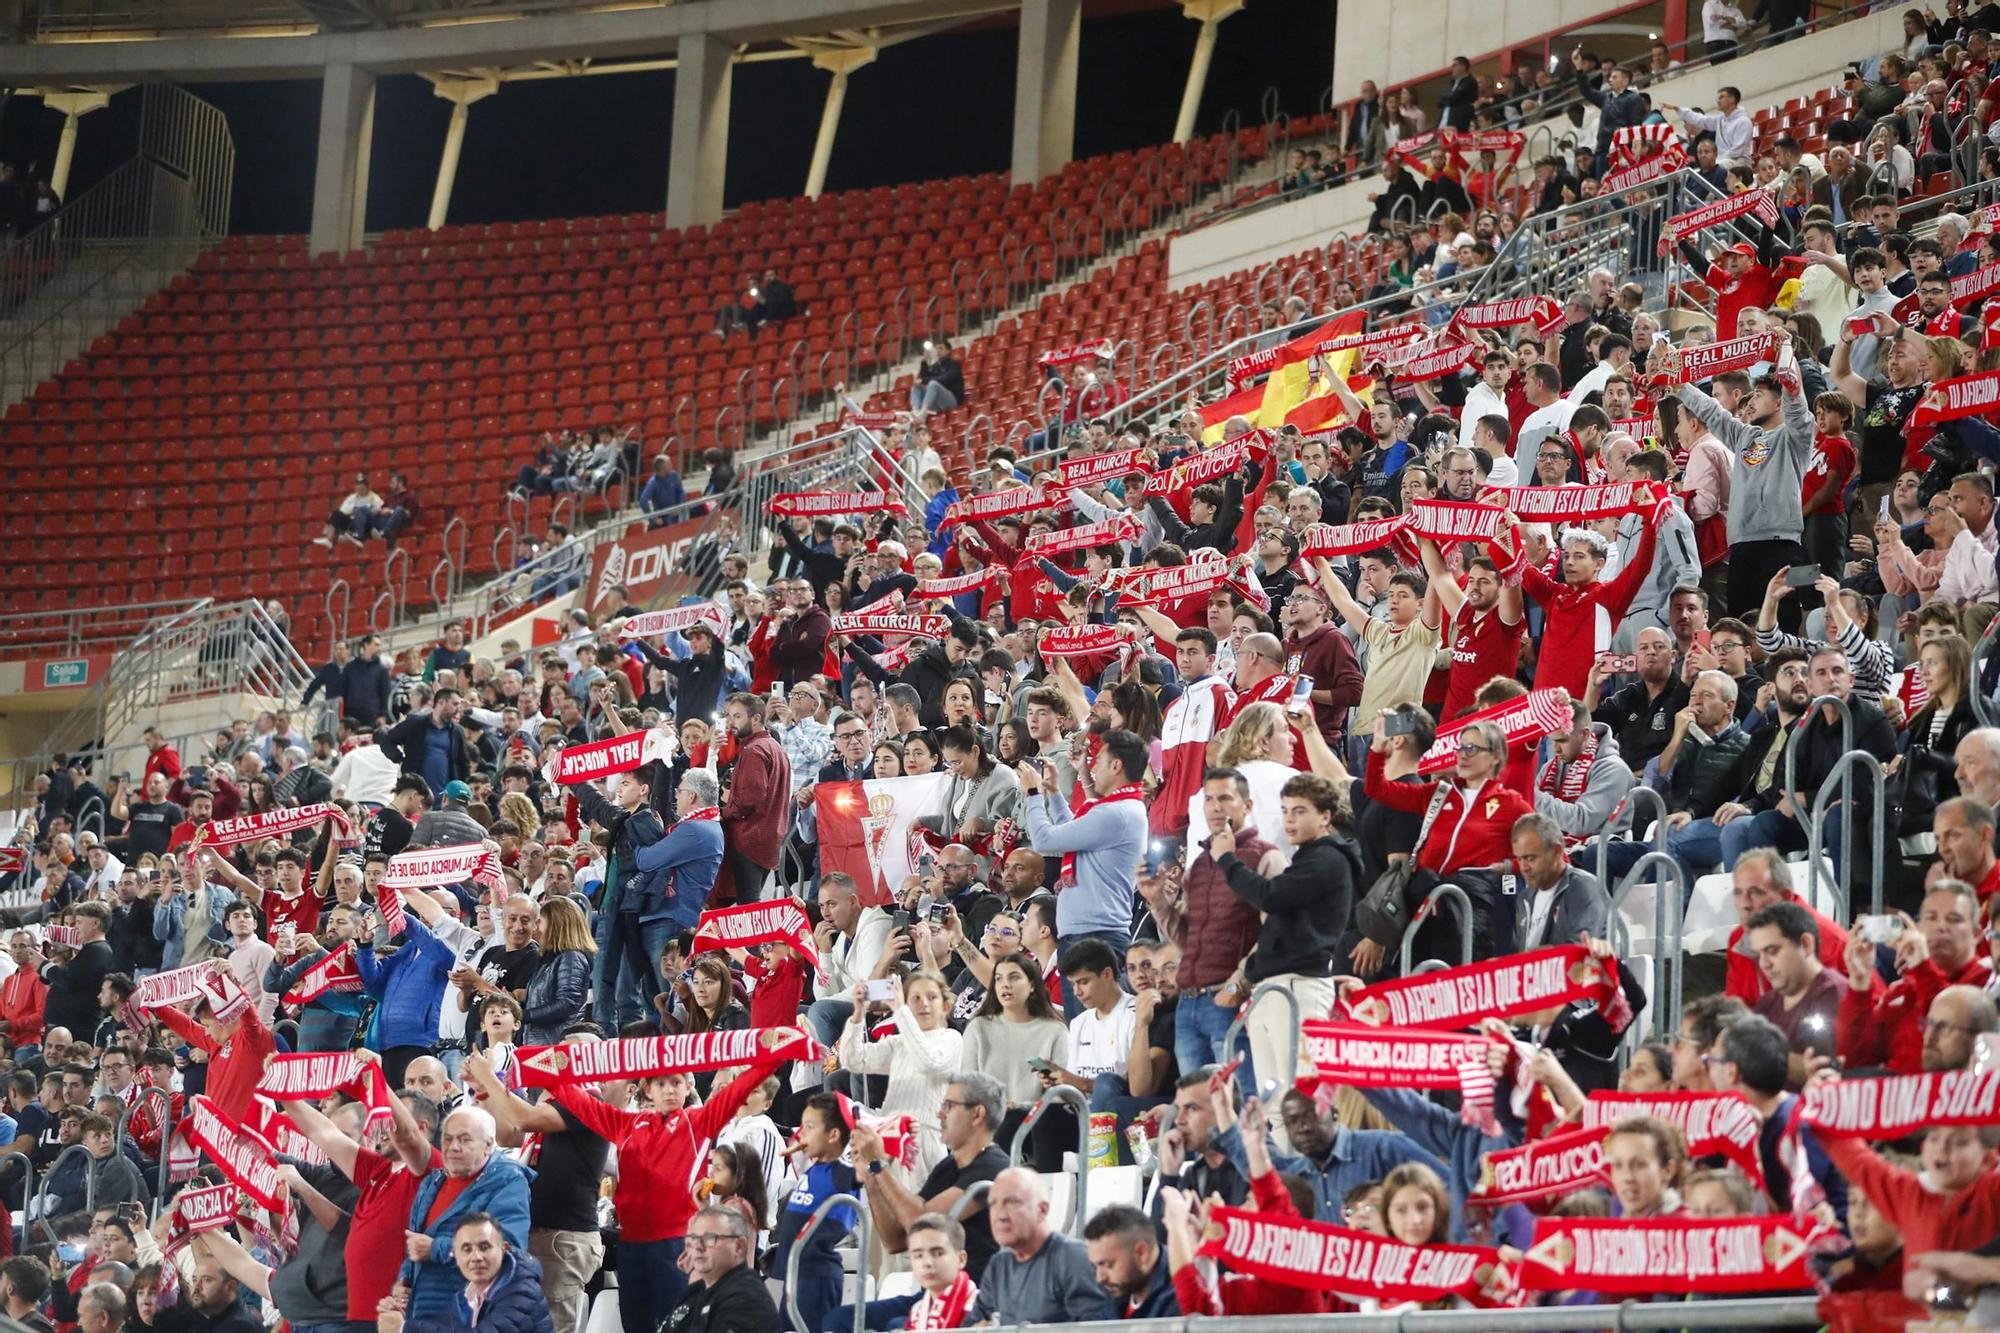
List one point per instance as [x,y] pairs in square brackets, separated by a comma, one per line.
[330,679]
[72,1001]
[1306,909]
[928,673]
[738,1303]
[822,569]
[636,889]
[1820,748]
[945,371]
[404,743]
[1219,532]
[365,689]
[1455,103]
[311,1286]
[697,679]
[1402,187]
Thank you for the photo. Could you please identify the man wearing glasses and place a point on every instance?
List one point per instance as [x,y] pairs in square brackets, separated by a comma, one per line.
[1728,652]
[725,1295]
[1886,1026]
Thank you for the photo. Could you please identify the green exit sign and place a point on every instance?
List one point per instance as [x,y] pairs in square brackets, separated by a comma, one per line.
[57,675]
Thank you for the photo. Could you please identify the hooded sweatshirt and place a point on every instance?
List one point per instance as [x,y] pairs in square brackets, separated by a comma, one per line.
[1767,467]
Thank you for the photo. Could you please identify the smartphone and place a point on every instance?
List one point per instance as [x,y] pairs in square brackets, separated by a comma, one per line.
[880,989]
[899,920]
[1802,576]
[1402,722]
[926,865]
[940,912]
[1884,929]
[1617,664]
[1702,639]
[1039,1065]
[1661,338]
[1301,700]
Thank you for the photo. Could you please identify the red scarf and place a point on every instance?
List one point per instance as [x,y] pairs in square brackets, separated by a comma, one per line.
[780,921]
[270,824]
[1081,640]
[881,623]
[1575,504]
[822,504]
[1460,997]
[234,1150]
[1534,715]
[945,1310]
[1889,1108]
[1714,1124]
[1325,539]
[675,619]
[1966,396]
[290,1078]
[648,1057]
[1558,1165]
[1133,791]
[1756,202]
[1360,1055]
[1645,1256]
[210,1208]
[337,971]
[1314,1256]
[601,759]
[1566,782]
[701,814]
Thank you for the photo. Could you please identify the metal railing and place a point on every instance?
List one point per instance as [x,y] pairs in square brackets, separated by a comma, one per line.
[1062,1092]
[1761,1313]
[203,649]
[1639,793]
[1241,1025]
[1843,879]
[865,1228]
[66,281]
[1669,904]
[80,630]
[1461,906]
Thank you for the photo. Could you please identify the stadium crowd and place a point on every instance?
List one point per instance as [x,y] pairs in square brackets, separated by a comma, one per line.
[540,965]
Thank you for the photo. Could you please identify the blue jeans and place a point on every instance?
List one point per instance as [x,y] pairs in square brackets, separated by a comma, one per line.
[650,1283]
[827,1018]
[619,975]
[881,1316]
[931,397]
[1201,1028]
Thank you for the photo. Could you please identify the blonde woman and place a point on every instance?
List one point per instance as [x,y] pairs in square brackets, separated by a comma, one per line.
[560,986]
[1264,746]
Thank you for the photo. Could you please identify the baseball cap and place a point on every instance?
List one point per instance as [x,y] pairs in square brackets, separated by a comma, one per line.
[457,791]
[1744,248]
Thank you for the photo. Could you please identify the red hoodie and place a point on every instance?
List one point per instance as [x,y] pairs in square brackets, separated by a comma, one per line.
[1240,1293]
[1879,1026]
[234,1066]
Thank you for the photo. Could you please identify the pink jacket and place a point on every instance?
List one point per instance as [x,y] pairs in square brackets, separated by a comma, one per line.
[1903,571]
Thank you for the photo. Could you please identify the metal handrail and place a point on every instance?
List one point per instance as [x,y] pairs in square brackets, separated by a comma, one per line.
[970,1195]
[1843,882]
[1257,997]
[1461,904]
[1668,909]
[1659,839]
[166,1135]
[27,1181]
[89,1186]
[1062,1092]
[1792,747]
[866,1227]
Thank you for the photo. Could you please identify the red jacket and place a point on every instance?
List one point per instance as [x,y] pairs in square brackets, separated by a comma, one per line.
[23,997]
[1239,1293]
[165,760]
[1879,1027]
[661,1158]
[1579,621]
[1928,1220]
[234,1066]
[759,807]
[1467,834]
[798,645]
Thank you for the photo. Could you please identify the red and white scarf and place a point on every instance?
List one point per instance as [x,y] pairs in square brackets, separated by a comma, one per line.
[1435,361]
[946,1309]
[210,1208]
[1711,359]
[1645,1256]
[1152,587]
[1013,502]
[289,1078]
[977,581]
[1361,1055]
[1558,1165]
[898,624]
[1572,504]
[1544,312]
[1645,171]
[271,824]
[617,754]
[1757,203]
[650,1057]
[335,972]
[780,921]
[1976,285]
[1534,715]
[276,1131]
[677,619]
[1714,1124]
[1965,396]
[436,867]
[1460,997]
[1205,466]
[1568,781]
[234,1150]
[163,990]
[1107,532]
[1640,143]
[1890,1108]
[1077,472]
[1132,791]
[1450,521]
[1097,349]
[825,504]
[1314,1256]
[1081,640]
[1329,540]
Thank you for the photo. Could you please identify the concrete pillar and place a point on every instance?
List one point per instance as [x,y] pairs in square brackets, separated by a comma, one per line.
[461,93]
[1045,88]
[74,106]
[1208,13]
[841,63]
[340,177]
[700,146]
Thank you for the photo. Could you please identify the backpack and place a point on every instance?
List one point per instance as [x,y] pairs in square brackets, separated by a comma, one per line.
[1383,915]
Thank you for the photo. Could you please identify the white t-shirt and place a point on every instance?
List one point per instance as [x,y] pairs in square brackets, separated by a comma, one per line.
[1102,1044]
[1540,904]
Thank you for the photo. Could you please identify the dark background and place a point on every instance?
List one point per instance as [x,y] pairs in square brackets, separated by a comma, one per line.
[932,107]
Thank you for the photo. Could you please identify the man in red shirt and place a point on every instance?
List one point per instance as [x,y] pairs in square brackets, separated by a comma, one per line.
[1884,1026]
[1740,280]
[161,757]
[1761,879]
[289,904]
[237,1048]
[386,1186]
[1487,619]
[662,1152]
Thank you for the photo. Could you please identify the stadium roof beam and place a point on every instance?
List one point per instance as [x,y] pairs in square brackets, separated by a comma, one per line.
[461,93]
[75,104]
[1045,88]
[1208,13]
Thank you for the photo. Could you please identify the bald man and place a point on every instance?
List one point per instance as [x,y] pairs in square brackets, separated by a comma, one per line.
[1038,1275]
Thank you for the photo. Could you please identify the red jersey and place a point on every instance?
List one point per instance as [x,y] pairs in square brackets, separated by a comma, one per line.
[376,1233]
[661,1156]
[1483,646]
[1276,689]
[1579,621]
[300,913]
[1832,459]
